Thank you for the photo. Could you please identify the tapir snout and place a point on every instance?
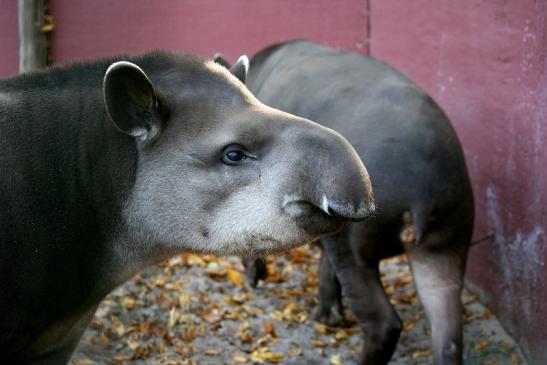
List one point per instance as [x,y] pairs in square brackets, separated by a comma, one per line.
[331,175]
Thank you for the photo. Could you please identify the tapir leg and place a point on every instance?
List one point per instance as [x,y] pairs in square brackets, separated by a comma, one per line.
[255,269]
[438,274]
[62,353]
[365,296]
[329,310]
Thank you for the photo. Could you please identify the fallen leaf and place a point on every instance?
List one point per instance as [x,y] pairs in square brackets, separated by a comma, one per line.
[173,317]
[121,358]
[481,345]
[341,335]
[235,277]
[407,326]
[83,362]
[515,359]
[265,355]
[104,340]
[294,351]
[212,352]
[336,360]
[240,359]
[317,343]
[426,353]
[268,328]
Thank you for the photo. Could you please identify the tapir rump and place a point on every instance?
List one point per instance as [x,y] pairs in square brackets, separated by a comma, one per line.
[108,166]
[421,187]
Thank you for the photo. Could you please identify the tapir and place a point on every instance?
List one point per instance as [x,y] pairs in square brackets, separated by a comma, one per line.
[424,201]
[108,166]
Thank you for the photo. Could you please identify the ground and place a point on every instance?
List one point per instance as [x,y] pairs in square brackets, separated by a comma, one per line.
[200,310]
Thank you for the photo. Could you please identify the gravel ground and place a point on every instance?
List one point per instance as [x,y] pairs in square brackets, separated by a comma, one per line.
[199,310]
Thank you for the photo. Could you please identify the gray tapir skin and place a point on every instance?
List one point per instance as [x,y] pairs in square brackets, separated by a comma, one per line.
[421,186]
[111,165]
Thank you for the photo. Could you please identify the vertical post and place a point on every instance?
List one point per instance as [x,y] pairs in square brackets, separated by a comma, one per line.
[32,40]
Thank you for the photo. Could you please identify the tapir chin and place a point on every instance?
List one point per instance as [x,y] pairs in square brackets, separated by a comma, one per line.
[108,166]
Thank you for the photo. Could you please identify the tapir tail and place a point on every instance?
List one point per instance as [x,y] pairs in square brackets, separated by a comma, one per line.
[415,224]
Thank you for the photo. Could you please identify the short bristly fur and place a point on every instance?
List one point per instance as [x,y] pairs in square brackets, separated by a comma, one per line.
[95,185]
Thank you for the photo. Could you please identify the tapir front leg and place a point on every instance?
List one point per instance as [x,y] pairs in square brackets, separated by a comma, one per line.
[255,269]
[329,309]
[365,296]
[438,274]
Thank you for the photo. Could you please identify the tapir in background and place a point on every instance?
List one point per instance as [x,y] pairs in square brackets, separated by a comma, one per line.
[108,166]
[424,201]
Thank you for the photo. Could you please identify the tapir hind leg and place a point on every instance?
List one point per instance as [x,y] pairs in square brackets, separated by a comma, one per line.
[365,296]
[438,274]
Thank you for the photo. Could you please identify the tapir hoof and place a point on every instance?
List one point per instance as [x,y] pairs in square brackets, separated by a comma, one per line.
[332,317]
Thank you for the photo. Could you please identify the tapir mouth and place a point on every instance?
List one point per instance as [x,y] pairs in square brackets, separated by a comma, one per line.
[313,219]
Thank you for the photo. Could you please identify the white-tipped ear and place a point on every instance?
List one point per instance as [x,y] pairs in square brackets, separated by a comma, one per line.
[241,68]
[219,58]
[130,99]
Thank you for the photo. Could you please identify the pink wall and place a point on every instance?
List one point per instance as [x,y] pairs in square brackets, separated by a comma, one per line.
[485,63]
[9,38]
[101,27]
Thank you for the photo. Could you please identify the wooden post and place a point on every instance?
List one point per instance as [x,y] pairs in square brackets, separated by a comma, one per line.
[32,40]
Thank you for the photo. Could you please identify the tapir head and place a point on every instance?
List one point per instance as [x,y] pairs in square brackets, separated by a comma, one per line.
[218,171]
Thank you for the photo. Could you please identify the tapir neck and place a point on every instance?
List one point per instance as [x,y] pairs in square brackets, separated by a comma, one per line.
[85,169]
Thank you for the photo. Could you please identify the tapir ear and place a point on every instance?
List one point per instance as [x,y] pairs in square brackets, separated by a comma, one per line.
[131,100]
[241,68]
[219,58]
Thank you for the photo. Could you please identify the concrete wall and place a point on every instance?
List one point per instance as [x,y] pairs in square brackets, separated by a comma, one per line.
[484,61]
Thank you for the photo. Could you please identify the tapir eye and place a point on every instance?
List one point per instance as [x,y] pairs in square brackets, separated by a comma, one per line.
[234,155]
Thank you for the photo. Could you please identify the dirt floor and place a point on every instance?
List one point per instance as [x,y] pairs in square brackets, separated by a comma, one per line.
[199,310]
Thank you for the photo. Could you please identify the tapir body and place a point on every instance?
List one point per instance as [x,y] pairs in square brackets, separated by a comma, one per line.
[424,202]
[108,166]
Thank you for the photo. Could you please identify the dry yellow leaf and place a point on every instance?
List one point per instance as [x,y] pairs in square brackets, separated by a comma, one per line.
[481,345]
[121,359]
[515,359]
[471,299]
[128,303]
[173,317]
[240,359]
[268,328]
[407,326]
[133,345]
[277,315]
[295,351]
[83,362]
[212,352]
[507,346]
[317,343]
[320,328]
[426,353]
[336,360]
[341,335]
[265,355]
[235,277]
[404,281]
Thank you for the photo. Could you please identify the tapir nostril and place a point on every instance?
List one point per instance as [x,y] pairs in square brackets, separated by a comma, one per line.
[353,215]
